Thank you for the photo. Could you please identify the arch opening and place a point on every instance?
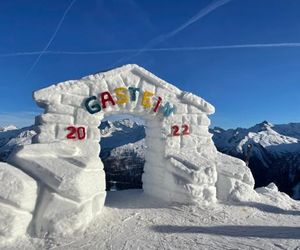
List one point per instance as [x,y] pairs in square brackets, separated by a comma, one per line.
[123,151]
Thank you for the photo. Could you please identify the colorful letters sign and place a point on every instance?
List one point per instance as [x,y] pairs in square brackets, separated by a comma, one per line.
[95,104]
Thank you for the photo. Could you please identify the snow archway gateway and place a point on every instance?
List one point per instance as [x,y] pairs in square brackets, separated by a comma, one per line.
[61,187]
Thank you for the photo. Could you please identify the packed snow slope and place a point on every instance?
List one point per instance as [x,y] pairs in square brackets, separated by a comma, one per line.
[273,151]
[133,220]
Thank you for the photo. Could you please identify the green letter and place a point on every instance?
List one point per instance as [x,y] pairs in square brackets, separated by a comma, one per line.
[91,104]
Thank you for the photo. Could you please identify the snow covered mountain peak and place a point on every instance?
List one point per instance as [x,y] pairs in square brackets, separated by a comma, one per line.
[126,122]
[273,151]
[265,134]
[7,128]
[125,125]
[10,137]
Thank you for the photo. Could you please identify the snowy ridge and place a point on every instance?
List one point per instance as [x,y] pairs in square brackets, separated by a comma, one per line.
[118,133]
[273,150]
[265,134]
[11,136]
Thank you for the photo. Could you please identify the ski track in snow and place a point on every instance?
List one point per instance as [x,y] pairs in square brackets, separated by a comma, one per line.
[131,220]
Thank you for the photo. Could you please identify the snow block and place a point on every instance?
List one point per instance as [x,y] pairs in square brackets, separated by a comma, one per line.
[60,109]
[235,180]
[68,178]
[84,117]
[60,216]
[198,102]
[73,100]
[17,188]
[46,97]
[14,223]
[45,133]
[67,170]
[54,118]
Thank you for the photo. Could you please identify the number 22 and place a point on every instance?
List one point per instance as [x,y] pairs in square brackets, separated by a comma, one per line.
[176,128]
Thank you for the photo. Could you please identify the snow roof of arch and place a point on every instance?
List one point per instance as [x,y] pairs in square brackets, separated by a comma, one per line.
[44,96]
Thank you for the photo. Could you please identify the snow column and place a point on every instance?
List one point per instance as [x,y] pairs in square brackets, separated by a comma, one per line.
[70,172]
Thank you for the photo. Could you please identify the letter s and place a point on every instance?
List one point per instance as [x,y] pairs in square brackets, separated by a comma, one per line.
[122,96]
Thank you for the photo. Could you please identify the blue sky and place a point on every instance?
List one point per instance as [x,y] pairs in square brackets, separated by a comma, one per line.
[246,85]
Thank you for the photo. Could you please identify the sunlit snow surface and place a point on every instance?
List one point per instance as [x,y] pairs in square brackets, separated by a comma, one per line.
[132,220]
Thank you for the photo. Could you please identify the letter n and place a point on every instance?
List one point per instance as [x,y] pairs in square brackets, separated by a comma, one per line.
[167,109]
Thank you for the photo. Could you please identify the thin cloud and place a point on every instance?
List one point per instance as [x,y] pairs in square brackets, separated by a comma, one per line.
[171,49]
[202,13]
[50,40]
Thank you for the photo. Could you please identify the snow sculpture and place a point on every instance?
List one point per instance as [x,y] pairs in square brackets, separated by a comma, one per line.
[182,163]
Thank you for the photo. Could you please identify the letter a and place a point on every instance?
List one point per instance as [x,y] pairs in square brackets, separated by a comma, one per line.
[106,97]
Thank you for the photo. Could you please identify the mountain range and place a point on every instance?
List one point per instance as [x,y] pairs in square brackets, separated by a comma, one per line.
[272,152]
[11,136]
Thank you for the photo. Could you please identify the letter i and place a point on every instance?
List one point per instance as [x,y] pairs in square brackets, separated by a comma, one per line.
[157,104]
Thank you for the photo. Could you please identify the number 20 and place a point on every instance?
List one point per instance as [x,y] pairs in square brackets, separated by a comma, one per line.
[176,128]
[76,133]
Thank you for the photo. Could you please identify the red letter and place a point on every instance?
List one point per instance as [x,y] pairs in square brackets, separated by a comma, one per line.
[157,104]
[106,97]
[175,130]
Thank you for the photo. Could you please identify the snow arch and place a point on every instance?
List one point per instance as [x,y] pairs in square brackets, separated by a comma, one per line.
[182,163]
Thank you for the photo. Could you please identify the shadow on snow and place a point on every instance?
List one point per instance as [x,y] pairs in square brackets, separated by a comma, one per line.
[272,232]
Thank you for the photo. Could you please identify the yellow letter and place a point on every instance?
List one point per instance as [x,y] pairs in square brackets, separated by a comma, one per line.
[122,96]
[146,99]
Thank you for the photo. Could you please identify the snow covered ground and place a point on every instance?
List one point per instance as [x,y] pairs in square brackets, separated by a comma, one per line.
[132,220]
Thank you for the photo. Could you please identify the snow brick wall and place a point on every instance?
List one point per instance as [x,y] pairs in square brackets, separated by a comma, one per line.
[62,187]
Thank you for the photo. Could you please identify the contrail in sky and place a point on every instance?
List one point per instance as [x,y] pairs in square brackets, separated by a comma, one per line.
[202,13]
[50,40]
[172,49]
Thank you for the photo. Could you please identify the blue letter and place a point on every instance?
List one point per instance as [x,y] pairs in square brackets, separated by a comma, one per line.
[167,109]
[132,91]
